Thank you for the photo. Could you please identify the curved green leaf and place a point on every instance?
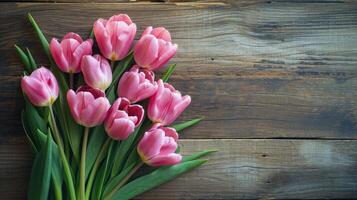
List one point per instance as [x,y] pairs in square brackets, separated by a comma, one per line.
[97,137]
[180,127]
[31,59]
[170,69]
[154,179]
[24,59]
[39,185]
[116,180]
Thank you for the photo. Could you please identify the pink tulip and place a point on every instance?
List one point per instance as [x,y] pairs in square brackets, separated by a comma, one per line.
[114,36]
[167,104]
[154,49]
[68,54]
[122,119]
[88,106]
[137,84]
[158,146]
[40,87]
[96,71]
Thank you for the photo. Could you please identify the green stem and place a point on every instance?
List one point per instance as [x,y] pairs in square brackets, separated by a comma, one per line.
[96,166]
[125,179]
[67,171]
[82,170]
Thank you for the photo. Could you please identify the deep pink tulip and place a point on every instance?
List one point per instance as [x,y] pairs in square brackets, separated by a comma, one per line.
[96,71]
[137,84]
[40,87]
[114,36]
[88,106]
[68,54]
[158,146]
[154,49]
[122,119]
[167,104]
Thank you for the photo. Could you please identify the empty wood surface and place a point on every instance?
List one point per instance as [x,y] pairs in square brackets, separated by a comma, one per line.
[275,80]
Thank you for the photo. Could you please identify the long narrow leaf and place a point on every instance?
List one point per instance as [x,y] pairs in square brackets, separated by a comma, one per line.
[40,35]
[154,179]
[122,152]
[103,174]
[116,180]
[27,130]
[57,170]
[39,185]
[31,59]
[170,69]
[197,155]
[96,141]
[24,59]
[180,127]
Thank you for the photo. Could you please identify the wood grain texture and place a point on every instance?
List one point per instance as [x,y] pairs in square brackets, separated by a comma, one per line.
[265,70]
[241,169]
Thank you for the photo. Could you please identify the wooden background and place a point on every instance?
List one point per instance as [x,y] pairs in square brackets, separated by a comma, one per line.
[276,81]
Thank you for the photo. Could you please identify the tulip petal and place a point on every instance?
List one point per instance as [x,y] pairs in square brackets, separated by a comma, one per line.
[146,50]
[166,160]
[150,145]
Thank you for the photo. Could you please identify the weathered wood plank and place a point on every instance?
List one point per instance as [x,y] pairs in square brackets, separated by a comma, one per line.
[258,71]
[245,169]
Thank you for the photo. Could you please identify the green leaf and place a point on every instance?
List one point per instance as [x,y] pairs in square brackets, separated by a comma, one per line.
[40,35]
[27,130]
[170,69]
[198,155]
[31,59]
[39,185]
[122,152]
[154,179]
[24,59]
[116,180]
[34,120]
[91,34]
[96,141]
[57,170]
[180,127]
[103,175]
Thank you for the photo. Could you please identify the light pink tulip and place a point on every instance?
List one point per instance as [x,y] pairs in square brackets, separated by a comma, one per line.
[114,36]
[122,119]
[68,54]
[40,87]
[158,146]
[154,49]
[167,104]
[88,106]
[96,71]
[137,84]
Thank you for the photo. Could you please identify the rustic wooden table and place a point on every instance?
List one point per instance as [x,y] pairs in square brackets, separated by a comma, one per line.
[276,81]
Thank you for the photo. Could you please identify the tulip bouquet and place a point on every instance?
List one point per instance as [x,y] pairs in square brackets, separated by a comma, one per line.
[97,114]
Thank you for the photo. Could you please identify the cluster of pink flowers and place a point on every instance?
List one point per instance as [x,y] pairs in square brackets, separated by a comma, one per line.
[89,105]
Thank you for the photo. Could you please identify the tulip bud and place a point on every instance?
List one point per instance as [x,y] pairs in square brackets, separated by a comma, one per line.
[167,104]
[96,71]
[114,36]
[154,49]
[68,54]
[122,119]
[40,87]
[137,84]
[88,106]
[157,147]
